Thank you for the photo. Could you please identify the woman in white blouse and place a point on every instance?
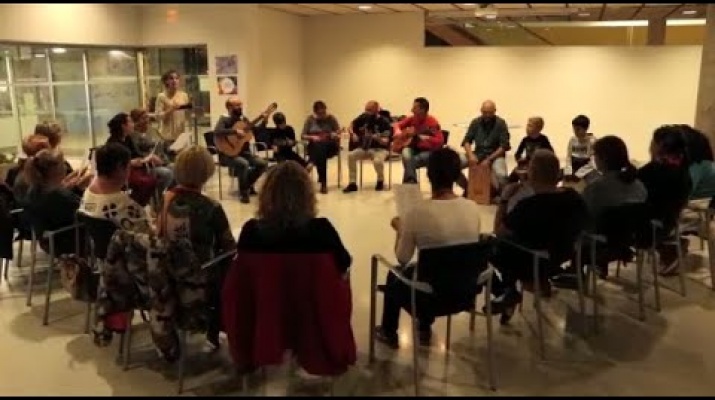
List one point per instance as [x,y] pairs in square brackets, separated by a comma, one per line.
[168,109]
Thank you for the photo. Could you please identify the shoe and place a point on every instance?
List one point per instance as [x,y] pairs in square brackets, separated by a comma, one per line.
[380,186]
[323,188]
[409,181]
[245,199]
[388,340]
[505,305]
[352,187]
[425,338]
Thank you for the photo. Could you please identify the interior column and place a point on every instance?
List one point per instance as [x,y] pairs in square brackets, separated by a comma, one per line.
[705,112]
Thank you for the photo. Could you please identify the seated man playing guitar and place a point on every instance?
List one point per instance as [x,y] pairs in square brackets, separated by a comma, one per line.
[245,165]
[420,135]
[369,138]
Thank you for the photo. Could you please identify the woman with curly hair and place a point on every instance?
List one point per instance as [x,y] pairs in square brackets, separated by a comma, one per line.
[287,220]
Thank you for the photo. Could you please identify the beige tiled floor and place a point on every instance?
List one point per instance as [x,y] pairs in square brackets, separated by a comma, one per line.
[669,354]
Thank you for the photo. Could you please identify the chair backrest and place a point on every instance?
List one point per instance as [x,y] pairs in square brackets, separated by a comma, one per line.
[99,232]
[446,137]
[210,144]
[626,225]
[453,271]
[277,302]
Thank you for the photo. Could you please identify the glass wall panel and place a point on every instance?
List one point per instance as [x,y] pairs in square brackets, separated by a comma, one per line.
[67,64]
[109,64]
[9,133]
[34,105]
[108,99]
[29,65]
[71,112]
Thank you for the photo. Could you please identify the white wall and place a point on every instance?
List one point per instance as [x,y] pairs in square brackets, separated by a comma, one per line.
[625,91]
[90,24]
[269,46]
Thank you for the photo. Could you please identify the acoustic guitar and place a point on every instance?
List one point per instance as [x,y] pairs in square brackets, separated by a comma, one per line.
[408,137]
[232,144]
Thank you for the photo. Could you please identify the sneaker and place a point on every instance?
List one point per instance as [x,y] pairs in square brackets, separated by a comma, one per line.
[245,199]
[323,188]
[352,187]
[390,341]
[380,186]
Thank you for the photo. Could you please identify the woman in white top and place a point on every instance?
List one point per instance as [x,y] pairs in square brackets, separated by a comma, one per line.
[443,220]
[168,107]
[104,197]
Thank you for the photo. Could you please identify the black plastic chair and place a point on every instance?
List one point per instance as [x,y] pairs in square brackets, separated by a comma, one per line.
[448,280]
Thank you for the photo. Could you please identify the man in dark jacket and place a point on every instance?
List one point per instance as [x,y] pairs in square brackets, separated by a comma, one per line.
[247,166]
[369,138]
[490,135]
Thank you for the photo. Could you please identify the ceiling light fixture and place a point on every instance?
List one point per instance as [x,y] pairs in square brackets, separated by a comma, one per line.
[689,12]
[364,7]
[468,25]
[469,4]
[59,50]
[490,16]
[584,14]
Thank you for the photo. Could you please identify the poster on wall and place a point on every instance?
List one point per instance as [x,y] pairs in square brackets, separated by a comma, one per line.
[227,65]
[227,85]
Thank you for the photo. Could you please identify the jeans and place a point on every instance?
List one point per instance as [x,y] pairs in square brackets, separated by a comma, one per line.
[397,295]
[500,175]
[247,167]
[411,161]
[319,153]
[164,177]
[378,157]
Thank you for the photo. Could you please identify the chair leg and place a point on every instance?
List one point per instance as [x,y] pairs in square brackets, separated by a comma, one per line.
[48,293]
[639,279]
[127,341]
[539,319]
[448,338]
[182,360]
[618,268]
[581,291]
[360,171]
[656,279]
[681,266]
[19,253]
[31,277]
[490,338]
[373,295]
[389,172]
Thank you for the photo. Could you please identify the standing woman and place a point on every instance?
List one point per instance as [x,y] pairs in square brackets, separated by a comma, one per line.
[168,110]
[321,132]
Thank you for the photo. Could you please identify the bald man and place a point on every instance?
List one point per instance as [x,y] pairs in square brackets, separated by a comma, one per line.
[490,136]
[247,166]
[369,138]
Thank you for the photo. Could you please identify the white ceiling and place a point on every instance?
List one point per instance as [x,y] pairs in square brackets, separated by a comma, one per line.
[577,12]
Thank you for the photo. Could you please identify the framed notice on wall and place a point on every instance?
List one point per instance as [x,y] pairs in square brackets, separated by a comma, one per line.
[227,65]
[227,85]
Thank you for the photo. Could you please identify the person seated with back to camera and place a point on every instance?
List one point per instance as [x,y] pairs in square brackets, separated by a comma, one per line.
[208,228]
[50,204]
[105,197]
[247,166]
[444,220]
[490,135]
[533,140]
[551,219]
[701,167]
[283,140]
[668,183]
[373,125]
[616,185]
[287,221]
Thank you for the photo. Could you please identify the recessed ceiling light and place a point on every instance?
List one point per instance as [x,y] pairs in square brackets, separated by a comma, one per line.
[490,16]
[469,25]
[59,50]
[689,12]
[584,14]
[364,7]
[469,4]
